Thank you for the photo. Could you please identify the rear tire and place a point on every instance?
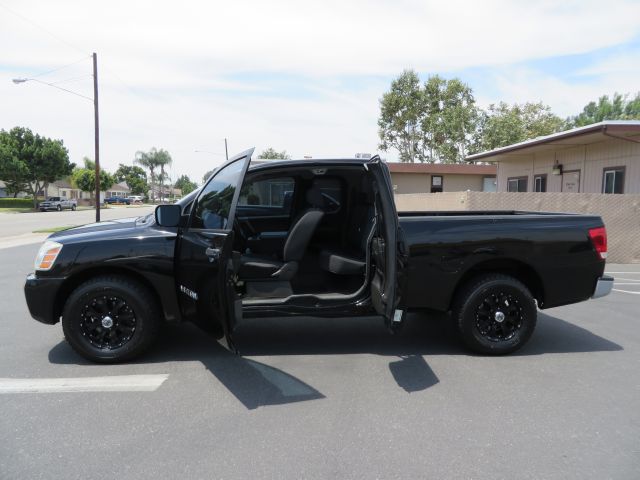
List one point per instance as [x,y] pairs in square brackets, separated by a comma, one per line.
[73,208]
[59,208]
[495,314]
[110,319]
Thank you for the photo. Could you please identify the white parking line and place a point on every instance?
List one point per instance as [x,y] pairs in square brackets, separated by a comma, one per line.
[632,273]
[636,280]
[118,383]
[626,291]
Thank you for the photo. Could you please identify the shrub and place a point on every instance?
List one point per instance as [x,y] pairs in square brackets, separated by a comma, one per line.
[16,203]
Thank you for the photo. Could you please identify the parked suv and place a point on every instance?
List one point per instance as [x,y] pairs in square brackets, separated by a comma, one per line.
[58,203]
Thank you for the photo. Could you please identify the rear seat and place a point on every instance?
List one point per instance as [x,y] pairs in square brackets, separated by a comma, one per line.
[352,259]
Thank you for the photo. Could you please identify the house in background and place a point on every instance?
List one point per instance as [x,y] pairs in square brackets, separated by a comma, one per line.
[3,191]
[64,189]
[118,190]
[599,158]
[442,177]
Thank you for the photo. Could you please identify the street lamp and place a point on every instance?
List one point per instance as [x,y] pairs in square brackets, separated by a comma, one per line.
[95,117]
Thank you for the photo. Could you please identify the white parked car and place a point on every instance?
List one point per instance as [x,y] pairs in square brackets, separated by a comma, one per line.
[135,199]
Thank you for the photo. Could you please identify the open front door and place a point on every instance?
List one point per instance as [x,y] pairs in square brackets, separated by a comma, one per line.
[384,247]
[205,266]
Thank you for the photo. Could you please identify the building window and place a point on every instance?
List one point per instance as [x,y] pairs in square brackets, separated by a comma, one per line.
[613,180]
[436,183]
[540,183]
[517,184]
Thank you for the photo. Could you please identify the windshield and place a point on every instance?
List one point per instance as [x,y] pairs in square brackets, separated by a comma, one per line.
[54,199]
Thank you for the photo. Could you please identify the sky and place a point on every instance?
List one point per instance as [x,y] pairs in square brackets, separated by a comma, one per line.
[305,77]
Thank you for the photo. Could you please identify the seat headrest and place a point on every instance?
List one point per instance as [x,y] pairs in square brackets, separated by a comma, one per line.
[314,197]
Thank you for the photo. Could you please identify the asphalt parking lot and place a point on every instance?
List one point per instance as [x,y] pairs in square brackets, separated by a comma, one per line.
[327,399]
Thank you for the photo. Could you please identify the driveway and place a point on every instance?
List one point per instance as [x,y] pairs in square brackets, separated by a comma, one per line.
[325,399]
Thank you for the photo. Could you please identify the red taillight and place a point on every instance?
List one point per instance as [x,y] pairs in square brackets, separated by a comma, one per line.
[598,237]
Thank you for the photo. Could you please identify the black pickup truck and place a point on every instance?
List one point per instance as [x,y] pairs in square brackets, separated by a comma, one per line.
[310,238]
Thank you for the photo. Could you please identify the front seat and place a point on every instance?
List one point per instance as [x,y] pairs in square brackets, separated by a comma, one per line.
[262,267]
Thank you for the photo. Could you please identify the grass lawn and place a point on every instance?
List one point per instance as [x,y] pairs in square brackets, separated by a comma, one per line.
[54,229]
[16,210]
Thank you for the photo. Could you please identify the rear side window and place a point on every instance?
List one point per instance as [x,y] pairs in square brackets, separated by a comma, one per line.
[331,190]
[214,203]
[270,193]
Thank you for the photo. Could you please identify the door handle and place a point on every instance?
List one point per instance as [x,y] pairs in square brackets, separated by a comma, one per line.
[212,253]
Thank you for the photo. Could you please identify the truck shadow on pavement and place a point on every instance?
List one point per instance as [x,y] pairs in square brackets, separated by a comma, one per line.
[256,384]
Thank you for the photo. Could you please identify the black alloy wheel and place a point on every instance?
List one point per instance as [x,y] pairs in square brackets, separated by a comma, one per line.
[111,318]
[495,314]
[498,317]
[107,322]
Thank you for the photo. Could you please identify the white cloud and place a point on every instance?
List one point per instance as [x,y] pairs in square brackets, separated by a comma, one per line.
[171,74]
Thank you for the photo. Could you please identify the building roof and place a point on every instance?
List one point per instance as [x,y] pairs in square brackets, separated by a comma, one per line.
[62,184]
[119,186]
[597,132]
[443,168]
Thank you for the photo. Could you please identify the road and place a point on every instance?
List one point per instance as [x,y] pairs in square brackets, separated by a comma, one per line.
[326,399]
[13,224]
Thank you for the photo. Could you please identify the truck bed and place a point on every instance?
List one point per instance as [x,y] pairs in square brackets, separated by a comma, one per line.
[552,251]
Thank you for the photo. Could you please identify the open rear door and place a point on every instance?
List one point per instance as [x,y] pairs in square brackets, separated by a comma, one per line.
[384,247]
[205,266]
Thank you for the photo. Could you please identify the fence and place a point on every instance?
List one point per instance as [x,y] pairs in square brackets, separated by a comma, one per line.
[621,213]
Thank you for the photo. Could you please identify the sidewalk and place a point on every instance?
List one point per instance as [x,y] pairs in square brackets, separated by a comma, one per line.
[23,239]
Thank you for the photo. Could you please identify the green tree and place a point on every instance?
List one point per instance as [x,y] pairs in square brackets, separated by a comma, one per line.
[505,124]
[153,160]
[449,118]
[32,161]
[435,122]
[618,107]
[185,184]
[135,177]
[272,154]
[400,116]
[206,176]
[85,179]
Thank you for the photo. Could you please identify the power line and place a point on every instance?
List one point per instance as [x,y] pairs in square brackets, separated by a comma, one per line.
[59,88]
[75,47]
[71,79]
[60,68]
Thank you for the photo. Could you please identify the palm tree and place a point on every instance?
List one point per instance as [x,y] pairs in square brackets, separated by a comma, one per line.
[146,160]
[162,159]
[151,160]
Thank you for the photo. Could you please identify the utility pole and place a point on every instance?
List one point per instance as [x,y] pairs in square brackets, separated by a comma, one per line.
[226,150]
[97,133]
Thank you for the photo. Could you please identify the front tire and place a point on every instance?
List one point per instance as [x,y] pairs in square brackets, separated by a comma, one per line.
[111,319]
[59,208]
[495,314]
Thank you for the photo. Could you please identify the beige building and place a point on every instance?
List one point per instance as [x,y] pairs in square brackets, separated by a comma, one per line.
[438,177]
[599,158]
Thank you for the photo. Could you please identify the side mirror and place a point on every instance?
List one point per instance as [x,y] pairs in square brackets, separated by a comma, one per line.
[168,215]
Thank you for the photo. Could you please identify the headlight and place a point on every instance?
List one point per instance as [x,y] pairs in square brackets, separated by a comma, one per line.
[47,255]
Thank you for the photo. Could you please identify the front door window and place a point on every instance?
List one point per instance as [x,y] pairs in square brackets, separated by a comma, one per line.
[214,204]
